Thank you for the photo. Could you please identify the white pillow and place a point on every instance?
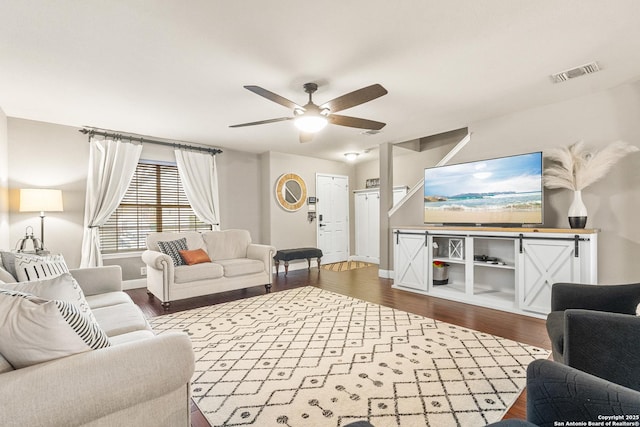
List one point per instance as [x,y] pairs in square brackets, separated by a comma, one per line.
[6,277]
[8,263]
[34,330]
[64,288]
[30,267]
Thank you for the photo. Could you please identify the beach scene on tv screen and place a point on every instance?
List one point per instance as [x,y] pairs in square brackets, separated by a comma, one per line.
[505,190]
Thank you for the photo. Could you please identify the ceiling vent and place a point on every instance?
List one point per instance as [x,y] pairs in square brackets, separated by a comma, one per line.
[371,132]
[582,70]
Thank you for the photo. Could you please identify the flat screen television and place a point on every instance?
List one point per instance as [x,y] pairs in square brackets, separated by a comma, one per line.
[505,191]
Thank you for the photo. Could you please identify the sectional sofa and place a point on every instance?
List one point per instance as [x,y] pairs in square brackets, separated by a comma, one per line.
[140,379]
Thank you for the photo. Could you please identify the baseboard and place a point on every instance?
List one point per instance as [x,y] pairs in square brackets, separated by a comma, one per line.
[385,274]
[370,260]
[134,284]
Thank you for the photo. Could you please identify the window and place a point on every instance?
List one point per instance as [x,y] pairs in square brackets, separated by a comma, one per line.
[155,201]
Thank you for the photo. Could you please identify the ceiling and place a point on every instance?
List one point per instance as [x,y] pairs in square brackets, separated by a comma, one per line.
[174,69]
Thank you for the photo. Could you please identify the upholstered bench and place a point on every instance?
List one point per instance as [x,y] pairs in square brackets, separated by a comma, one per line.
[287,255]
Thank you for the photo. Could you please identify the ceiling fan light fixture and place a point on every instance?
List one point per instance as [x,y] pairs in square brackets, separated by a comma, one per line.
[310,123]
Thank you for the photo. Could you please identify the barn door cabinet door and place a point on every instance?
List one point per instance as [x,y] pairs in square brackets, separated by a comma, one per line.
[545,262]
[411,260]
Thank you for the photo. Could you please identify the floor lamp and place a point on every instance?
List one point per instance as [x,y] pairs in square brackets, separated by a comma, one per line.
[40,200]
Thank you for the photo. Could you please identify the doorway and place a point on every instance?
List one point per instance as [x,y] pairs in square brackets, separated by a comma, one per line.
[332,192]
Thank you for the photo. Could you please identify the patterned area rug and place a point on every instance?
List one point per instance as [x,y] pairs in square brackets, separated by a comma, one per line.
[308,357]
[345,265]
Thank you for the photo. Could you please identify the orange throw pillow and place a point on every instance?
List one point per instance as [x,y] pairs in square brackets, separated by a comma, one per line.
[195,256]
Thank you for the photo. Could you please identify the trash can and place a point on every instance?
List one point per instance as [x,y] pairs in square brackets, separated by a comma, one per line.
[440,273]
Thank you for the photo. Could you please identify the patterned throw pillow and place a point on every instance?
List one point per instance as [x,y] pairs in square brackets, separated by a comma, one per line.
[173,248]
[33,267]
[64,288]
[37,330]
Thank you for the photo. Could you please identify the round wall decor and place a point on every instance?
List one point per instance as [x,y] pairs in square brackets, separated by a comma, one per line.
[291,191]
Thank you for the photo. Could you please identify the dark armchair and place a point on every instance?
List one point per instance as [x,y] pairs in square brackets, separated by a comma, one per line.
[560,393]
[594,328]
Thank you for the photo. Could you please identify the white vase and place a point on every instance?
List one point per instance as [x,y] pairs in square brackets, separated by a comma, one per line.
[577,211]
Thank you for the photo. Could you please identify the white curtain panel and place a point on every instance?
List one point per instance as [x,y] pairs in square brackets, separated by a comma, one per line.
[199,177]
[111,167]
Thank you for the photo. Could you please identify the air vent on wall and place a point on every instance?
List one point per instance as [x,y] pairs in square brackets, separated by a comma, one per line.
[575,72]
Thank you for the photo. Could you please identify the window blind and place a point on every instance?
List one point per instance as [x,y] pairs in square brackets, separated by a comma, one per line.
[155,201]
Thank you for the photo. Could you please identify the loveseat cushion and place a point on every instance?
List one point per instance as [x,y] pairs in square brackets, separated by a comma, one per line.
[227,244]
[241,266]
[191,273]
[120,319]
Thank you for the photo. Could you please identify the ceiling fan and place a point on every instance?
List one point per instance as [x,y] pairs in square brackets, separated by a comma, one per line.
[311,118]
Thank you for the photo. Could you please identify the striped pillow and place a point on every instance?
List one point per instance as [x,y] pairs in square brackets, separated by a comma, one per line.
[38,330]
[64,288]
[34,267]
[173,248]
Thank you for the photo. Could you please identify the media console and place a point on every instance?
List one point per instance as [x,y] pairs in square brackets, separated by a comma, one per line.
[510,269]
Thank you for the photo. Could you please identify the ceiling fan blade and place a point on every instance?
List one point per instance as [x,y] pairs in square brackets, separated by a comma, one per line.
[273,97]
[262,122]
[306,137]
[354,98]
[355,122]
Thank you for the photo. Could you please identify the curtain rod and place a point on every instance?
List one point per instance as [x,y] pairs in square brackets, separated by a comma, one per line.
[143,139]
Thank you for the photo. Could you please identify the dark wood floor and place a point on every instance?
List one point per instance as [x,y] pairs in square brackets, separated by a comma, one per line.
[365,284]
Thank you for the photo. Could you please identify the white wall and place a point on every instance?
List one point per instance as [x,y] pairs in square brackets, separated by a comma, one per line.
[4,183]
[45,155]
[408,166]
[613,203]
[292,229]
[50,155]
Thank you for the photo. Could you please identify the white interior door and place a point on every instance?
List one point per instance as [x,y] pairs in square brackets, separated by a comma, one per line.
[332,192]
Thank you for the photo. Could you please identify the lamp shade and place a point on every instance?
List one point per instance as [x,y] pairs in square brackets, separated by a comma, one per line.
[40,200]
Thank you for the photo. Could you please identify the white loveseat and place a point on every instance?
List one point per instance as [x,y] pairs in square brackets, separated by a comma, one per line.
[139,380]
[236,263]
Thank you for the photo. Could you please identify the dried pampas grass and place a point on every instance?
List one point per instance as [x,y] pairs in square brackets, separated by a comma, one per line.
[575,168]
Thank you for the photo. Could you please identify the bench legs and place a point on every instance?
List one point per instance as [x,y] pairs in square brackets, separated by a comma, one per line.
[286,265]
[309,263]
